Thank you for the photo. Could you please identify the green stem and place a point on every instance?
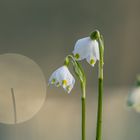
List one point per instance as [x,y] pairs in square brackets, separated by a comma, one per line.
[100,92]
[99,115]
[81,75]
[83,99]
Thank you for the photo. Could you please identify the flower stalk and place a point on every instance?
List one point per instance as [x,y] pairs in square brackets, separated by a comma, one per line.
[63,77]
[83,100]
[80,74]
[100,86]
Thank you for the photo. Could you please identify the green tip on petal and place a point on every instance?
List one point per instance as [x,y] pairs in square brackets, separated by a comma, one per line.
[53,81]
[95,35]
[57,84]
[77,56]
[64,82]
[92,61]
[68,88]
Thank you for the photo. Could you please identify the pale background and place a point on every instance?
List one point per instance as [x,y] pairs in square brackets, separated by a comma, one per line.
[46,31]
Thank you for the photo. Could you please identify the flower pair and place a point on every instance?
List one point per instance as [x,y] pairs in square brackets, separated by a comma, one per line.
[85,48]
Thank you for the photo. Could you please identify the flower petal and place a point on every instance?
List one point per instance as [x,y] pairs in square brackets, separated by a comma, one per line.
[95,49]
[81,49]
[134,99]
[91,60]
[51,80]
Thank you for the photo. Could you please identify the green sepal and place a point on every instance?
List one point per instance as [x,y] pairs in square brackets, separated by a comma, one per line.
[95,35]
[66,63]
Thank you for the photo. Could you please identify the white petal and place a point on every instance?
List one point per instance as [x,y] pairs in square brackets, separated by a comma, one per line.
[53,76]
[68,90]
[69,87]
[134,99]
[70,83]
[61,73]
[95,49]
[57,75]
[82,47]
[91,60]
[136,96]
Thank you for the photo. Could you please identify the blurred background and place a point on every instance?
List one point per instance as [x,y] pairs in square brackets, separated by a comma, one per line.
[46,31]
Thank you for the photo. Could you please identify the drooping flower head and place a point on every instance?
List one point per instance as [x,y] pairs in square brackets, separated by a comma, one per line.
[87,48]
[62,77]
[133,100]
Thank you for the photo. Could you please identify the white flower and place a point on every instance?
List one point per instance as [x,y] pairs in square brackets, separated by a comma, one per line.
[134,99]
[88,49]
[62,77]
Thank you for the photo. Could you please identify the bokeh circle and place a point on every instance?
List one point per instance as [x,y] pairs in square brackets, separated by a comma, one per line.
[22,88]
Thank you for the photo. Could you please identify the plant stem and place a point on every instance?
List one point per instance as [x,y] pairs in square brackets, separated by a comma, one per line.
[100,92]
[81,75]
[99,115]
[83,99]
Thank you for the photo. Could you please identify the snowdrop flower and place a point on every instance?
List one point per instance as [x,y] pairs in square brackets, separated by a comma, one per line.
[87,48]
[62,77]
[133,100]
